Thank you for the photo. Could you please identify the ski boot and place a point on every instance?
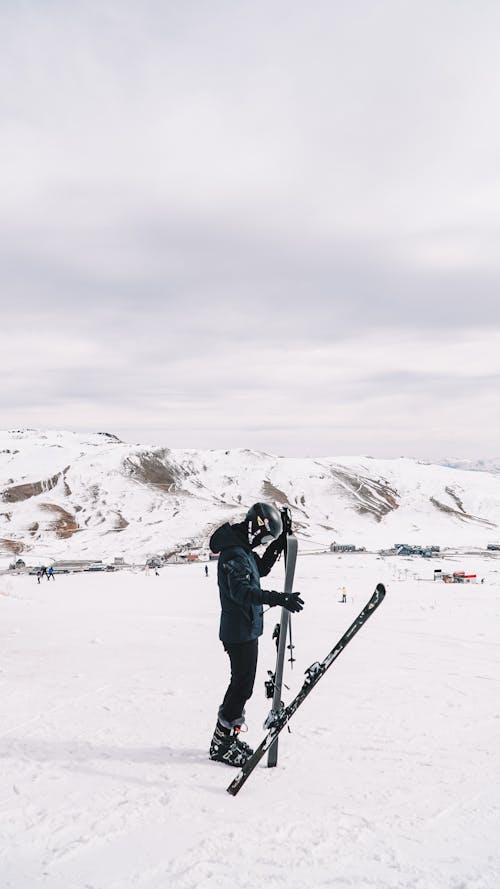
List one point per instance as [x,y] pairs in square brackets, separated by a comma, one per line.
[226,745]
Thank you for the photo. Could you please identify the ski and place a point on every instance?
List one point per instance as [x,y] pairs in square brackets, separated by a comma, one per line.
[277,721]
[277,679]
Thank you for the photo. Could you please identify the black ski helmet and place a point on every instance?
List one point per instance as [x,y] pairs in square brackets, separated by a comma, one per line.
[263,523]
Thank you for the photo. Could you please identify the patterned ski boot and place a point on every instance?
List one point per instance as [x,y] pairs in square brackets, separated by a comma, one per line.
[227,747]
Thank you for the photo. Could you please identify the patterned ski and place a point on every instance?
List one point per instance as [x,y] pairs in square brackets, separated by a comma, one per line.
[276,722]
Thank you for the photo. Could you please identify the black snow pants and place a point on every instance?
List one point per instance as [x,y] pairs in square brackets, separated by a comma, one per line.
[243,657]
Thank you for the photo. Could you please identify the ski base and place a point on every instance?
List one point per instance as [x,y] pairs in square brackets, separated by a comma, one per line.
[313,675]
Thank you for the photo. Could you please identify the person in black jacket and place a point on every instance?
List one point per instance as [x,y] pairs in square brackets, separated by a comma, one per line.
[241,596]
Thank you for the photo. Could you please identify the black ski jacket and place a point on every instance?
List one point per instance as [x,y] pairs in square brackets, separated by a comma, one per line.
[238,575]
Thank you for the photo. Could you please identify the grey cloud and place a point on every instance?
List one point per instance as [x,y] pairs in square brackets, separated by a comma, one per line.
[229,180]
[418,386]
[225,273]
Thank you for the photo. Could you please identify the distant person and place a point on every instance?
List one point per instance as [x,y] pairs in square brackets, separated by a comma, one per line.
[343,594]
[39,575]
[206,570]
[50,573]
[43,571]
[238,575]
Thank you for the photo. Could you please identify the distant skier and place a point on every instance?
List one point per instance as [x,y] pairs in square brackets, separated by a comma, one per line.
[50,573]
[38,576]
[343,594]
[238,576]
[206,570]
[43,571]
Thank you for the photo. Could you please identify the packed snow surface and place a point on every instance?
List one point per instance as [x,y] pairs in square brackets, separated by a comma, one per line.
[389,779]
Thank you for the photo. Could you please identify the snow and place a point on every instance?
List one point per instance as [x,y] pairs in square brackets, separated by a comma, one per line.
[98,498]
[110,685]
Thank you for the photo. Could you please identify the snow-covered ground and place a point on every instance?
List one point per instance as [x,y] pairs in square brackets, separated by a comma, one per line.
[389,780]
[67,495]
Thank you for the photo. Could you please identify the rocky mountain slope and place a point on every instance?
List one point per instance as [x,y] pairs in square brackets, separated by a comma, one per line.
[76,495]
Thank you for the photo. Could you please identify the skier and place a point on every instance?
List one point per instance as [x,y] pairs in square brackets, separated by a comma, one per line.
[206,570]
[50,573]
[238,576]
[343,594]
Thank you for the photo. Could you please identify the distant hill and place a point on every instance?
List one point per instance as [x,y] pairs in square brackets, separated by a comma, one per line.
[76,495]
[472,465]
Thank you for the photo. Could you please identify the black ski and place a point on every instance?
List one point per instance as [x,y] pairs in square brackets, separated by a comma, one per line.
[277,721]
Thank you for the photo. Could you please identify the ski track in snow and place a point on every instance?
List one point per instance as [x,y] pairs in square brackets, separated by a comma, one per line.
[389,779]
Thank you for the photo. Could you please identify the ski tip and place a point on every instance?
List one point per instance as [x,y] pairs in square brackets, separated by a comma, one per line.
[380,589]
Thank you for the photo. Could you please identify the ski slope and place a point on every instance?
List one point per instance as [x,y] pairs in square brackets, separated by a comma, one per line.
[389,780]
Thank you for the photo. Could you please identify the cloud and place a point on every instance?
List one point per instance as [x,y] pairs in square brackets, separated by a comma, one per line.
[344,397]
[221,219]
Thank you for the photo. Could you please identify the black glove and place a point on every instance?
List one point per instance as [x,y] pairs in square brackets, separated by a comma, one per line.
[290,601]
[279,544]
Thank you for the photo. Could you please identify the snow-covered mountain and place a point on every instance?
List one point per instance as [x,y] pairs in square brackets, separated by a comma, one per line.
[76,495]
[471,465]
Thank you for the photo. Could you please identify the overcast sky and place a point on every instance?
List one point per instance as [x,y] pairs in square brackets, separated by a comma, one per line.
[253,224]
